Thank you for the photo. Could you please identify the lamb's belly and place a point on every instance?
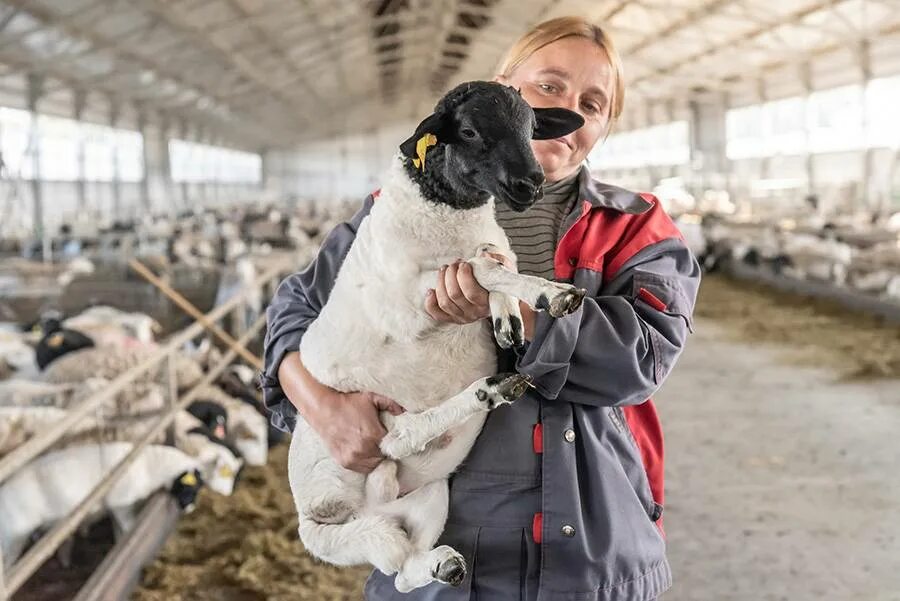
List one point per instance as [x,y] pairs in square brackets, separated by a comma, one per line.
[417,374]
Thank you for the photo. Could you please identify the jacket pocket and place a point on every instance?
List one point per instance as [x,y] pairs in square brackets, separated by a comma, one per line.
[664,296]
[633,465]
[667,315]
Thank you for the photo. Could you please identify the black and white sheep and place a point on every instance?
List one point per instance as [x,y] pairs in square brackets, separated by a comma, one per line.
[45,490]
[373,334]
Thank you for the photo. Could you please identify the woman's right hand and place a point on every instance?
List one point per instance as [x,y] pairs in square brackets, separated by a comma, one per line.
[350,426]
[348,423]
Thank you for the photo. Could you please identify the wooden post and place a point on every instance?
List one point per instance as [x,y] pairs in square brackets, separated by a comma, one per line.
[173,394]
[3,595]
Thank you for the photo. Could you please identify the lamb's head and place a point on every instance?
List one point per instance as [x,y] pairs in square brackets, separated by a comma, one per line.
[477,144]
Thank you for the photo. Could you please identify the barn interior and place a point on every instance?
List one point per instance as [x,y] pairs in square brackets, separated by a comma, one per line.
[164,164]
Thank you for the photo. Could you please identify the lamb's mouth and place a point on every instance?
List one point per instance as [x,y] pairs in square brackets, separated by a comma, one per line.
[516,204]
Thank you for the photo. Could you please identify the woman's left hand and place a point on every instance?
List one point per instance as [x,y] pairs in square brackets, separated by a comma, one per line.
[459,298]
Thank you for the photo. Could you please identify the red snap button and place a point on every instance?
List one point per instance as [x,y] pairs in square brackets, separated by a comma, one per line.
[537,527]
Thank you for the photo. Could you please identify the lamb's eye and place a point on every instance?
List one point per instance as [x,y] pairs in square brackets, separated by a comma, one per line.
[468,133]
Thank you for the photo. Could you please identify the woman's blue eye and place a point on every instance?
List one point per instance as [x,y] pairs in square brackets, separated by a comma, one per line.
[547,87]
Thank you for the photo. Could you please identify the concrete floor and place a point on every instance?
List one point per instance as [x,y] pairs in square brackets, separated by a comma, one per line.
[782,483]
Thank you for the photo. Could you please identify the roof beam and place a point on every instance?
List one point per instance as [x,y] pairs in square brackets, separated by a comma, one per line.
[710,50]
[691,17]
[236,61]
[67,25]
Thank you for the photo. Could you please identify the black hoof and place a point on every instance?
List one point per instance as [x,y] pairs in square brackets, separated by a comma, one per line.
[451,571]
[566,303]
[510,386]
[511,336]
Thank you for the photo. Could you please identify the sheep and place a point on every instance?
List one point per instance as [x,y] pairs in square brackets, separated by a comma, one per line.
[73,269]
[57,342]
[246,427]
[18,424]
[110,363]
[22,392]
[17,354]
[239,382]
[127,421]
[373,334]
[815,257]
[109,325]
[45,491]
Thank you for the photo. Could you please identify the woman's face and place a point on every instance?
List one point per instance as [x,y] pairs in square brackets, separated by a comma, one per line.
[572,73]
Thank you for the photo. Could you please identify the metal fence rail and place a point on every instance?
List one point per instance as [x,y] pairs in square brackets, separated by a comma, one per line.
[29,563]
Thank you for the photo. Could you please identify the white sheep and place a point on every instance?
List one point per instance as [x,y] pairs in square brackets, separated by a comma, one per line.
[108,326]
[50,487]
[21,392]
[18,354]
[247,428]
[817,258]
[373,335]
[18,424]
[109,363]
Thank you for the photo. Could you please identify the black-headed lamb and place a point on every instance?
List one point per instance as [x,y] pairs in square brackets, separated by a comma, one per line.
[374,335]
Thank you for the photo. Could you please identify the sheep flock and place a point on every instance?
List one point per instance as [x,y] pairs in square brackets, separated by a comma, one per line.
[64,338]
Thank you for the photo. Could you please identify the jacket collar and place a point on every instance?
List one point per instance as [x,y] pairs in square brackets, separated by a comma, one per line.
[609,197]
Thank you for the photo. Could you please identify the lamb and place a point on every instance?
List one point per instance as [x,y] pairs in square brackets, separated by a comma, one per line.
[58,341]
[108,326]
[44,491]
[247,429]
[17,354]
[219,462]
[110,363]
[20,392]
[374,335]
[18,424]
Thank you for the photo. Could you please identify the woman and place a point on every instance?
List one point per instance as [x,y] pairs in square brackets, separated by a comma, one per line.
[561,496]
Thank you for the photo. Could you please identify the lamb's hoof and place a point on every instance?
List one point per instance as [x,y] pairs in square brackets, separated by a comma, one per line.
[509,331]
[564,303]
[451,571]
[502,389]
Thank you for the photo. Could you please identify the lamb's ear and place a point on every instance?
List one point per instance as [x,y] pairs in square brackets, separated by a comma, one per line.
[434,123]
[555,123]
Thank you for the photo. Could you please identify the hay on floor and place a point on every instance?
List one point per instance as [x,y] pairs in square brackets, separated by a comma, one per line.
[245,548]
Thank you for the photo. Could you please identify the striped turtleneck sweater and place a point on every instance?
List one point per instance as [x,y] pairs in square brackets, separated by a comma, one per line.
[534,234]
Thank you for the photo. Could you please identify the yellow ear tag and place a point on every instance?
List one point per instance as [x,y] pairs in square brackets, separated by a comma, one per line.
[189,479]
[55,341]
[422,146]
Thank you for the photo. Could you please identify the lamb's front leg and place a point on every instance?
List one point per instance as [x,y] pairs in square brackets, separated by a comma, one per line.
[556,298]
[408,433]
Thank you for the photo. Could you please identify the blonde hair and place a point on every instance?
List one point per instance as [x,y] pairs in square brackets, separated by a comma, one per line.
[550,31]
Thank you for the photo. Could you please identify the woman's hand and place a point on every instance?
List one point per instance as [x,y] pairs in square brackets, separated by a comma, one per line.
[459,298]
[351,429]
[347,422]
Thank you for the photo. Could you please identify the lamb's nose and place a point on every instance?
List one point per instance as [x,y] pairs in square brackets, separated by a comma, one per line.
[537,177]
[528,185]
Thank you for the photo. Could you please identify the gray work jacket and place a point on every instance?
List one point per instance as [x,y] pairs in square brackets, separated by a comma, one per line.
[561,497]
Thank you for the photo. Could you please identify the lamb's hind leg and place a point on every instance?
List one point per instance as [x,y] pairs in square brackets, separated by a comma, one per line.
[424,513]
[408,433]
[556,298]
[378,540]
